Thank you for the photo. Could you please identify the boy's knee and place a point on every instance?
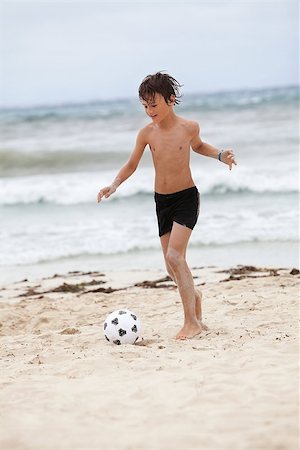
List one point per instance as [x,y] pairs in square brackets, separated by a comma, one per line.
[174,259]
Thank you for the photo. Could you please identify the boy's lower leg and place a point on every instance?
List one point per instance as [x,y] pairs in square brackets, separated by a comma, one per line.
[185,284]
[198,296]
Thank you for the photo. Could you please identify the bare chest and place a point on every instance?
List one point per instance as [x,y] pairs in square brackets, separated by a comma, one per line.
[169,146]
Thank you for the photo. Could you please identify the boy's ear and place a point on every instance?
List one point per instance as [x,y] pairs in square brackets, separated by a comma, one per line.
[172,100]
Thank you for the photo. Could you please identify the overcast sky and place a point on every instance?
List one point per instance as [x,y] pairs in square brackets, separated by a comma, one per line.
[57,52]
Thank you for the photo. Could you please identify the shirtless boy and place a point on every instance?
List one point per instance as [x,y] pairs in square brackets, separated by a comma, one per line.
[170,138]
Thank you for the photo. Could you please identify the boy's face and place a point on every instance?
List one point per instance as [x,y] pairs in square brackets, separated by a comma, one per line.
[157,108]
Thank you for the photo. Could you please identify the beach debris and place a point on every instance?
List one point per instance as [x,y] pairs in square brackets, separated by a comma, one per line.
[108,290]
[73,273]
[30,292]
[65,287]
[294,272]
[79,287]
[241,272]
[93,273]
[160,283]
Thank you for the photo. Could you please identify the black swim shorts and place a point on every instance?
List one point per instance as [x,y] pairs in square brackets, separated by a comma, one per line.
[181,207]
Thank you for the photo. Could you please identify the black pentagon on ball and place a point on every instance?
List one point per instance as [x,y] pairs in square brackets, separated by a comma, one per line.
[105,326]
[106,338]
[115,321]
[122,312]
[117,342]
[134,329]
[122,332]
[133,316]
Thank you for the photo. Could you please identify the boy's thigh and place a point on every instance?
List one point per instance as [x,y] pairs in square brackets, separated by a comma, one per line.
[179,238]
[164,241]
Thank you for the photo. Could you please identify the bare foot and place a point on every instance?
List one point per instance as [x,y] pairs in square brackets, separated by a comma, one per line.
[189,331]
[198,308]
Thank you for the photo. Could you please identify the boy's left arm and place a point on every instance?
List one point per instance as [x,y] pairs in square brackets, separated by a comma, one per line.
[225,156]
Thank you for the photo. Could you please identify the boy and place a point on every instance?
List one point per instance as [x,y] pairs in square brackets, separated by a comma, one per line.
[170,138]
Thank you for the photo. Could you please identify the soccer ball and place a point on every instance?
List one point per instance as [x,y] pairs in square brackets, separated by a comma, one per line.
[122,327]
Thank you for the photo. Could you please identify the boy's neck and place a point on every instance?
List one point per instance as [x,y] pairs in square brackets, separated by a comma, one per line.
[168,121]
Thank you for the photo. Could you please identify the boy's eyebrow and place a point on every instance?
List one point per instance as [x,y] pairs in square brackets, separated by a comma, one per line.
[148,103]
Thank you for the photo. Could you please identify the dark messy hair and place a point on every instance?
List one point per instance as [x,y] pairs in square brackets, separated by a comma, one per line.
[160,83]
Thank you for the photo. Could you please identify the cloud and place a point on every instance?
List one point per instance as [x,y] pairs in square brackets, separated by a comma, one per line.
[57,52]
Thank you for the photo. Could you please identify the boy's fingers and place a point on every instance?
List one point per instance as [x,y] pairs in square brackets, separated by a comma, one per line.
[99,196]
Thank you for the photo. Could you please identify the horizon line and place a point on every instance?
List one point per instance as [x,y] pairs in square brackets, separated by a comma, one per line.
[73,103]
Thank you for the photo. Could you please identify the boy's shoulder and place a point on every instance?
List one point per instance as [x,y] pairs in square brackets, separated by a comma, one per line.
[144,132]
[146,129]
[190,125]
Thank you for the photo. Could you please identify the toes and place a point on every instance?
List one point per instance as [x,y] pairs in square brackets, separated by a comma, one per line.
[181,338]
[191,335]
[204,327]
[181,335]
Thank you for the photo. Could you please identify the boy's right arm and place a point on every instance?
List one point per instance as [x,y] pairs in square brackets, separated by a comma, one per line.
[127,170]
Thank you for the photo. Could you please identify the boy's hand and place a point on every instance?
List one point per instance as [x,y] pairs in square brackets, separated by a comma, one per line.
[228,158]
[106,192]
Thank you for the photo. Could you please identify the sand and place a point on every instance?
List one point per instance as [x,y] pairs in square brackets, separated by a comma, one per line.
[235,387]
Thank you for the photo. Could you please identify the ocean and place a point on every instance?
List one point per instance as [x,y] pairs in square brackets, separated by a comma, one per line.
[54,160]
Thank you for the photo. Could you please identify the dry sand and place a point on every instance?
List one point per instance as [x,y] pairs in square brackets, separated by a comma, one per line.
[234,387]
